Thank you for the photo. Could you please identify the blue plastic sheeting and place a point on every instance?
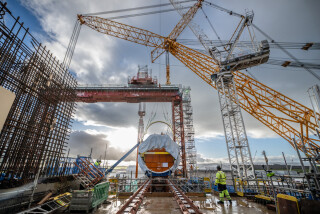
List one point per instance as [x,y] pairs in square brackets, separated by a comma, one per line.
[65,167]
[157,141]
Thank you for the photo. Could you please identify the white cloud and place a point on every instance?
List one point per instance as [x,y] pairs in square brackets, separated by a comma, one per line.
[210,135]
[261,133]
[122,139]
[81,143]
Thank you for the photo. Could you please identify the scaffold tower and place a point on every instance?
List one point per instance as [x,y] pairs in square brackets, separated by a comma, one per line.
[191,152]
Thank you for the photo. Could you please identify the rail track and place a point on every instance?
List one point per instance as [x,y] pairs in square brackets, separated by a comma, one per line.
[185,203]
[134,202]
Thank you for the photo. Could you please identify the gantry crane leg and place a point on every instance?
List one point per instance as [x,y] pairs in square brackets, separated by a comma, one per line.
[236,138]
[178,133]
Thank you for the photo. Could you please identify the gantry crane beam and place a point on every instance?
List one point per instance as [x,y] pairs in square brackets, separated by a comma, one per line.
[270,107]
[127,94]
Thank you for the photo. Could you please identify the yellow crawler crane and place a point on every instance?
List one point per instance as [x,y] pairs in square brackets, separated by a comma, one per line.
[288,118]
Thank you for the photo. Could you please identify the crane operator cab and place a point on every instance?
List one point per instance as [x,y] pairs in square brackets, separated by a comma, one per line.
[247,60]
[238,55]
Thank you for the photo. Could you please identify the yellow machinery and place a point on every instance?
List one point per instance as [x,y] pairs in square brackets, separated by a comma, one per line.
[283,115]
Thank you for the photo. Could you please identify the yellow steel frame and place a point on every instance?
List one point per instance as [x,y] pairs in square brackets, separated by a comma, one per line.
[177,30]
[286,117]
[122,31]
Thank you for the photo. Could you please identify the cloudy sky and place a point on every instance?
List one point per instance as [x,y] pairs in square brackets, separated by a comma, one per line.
[100,59]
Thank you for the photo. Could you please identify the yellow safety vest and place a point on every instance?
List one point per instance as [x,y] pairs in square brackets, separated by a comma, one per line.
[220,178]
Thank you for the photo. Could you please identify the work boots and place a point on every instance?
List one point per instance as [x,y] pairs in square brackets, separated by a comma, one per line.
[221,202]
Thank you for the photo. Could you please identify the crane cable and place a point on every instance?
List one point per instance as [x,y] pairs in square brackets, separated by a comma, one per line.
[296,64]
[165,115]
[71,46]
[133,9]
[230,12]
[214,30]
[286,52]
[153,113]
[143,14]
[286,45]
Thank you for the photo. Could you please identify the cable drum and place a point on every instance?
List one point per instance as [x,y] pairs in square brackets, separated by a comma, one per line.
[158,155]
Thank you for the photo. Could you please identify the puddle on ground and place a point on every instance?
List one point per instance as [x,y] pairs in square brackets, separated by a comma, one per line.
[165,205]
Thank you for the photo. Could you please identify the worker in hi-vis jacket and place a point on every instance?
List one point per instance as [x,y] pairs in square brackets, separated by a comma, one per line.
[222,186]
[97,163]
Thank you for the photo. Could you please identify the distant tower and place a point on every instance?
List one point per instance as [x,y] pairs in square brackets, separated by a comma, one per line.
[143,78]
[141,113]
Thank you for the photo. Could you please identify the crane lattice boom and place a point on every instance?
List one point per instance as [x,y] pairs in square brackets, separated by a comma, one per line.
[281,114]
[177,30]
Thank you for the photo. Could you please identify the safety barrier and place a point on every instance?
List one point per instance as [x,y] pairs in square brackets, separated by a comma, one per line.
[100,193]
[85,200]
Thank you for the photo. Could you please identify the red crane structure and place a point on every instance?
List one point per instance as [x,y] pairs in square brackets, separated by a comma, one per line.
[138,91]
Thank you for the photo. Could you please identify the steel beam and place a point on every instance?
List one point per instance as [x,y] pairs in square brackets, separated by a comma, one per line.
[127,94]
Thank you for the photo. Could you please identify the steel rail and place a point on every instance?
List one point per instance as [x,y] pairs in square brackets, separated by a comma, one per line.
[185,203]
[134,202]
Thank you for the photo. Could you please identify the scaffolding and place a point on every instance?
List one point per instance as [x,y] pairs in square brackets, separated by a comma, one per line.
[191,152]
[33,137]
[179,132]
[236,138]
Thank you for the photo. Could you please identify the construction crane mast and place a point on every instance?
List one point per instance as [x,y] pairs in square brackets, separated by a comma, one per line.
[239,154]
[286,117]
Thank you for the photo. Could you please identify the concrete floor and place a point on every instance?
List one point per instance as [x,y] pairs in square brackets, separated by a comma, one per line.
[165,205]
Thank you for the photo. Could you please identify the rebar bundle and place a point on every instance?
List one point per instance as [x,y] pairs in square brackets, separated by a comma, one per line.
[34,134]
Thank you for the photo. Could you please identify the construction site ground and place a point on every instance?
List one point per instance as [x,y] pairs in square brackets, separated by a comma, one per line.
[165,205]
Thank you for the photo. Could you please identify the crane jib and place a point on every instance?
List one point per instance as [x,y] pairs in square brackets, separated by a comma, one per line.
[259,100]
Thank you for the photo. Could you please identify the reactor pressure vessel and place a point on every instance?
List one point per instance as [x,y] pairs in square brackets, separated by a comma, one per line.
[158,155]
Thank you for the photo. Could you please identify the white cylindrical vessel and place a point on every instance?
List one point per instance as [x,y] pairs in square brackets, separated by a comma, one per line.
[158,155]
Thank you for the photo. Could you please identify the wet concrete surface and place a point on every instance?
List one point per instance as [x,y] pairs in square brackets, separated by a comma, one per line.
[164,205]
[159,205]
